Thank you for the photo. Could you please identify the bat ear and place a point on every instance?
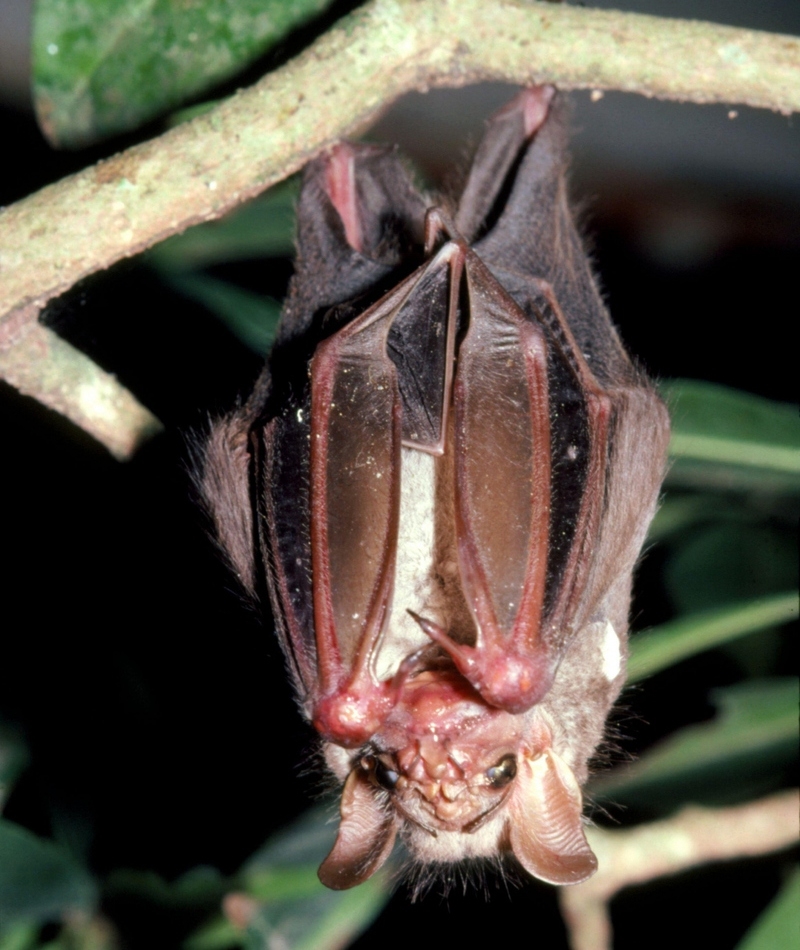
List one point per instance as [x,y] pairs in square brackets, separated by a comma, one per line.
[546,833]
[365,839]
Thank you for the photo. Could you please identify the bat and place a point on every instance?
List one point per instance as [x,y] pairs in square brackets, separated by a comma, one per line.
[444,478]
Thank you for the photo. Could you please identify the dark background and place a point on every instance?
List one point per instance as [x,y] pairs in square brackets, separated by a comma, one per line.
[161,728]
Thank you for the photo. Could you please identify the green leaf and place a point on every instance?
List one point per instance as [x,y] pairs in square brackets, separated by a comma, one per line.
[39,880]
[252,319]
[728,562]
[670,643]
[725,438]
[218,934]
[755,729]
[325,920]
[778,928]
[293,908]
[20,937]
[13,760]
[106,67]
[263,227]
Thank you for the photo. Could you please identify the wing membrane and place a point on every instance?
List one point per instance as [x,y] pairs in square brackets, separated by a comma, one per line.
[502,459]
[363,408]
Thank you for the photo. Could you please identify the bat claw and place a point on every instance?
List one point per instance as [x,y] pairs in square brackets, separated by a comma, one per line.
[505,678]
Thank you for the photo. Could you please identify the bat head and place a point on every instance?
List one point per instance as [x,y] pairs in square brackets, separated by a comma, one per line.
[458,779]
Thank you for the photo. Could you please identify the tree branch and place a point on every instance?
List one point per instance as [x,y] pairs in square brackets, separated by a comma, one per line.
[690,838]
[40,364]
[202,169]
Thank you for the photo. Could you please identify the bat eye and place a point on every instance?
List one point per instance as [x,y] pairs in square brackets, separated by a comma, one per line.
[501,774]
[381,773]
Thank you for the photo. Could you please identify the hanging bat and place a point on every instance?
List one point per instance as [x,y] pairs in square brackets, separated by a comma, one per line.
[444,479]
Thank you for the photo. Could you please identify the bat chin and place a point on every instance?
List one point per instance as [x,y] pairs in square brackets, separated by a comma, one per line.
[452,846]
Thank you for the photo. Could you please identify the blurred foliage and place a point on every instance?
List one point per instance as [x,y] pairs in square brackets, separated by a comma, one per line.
[725,533]
[39,879]
[262,228]
[251,318]
[740,753]
[731,440]
[104,68]
[14,759]
[657,649]
[777,928]
[279,901]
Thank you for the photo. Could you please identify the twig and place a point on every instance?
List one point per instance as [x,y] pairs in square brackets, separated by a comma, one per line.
[203,168]
[40,364]
[692,837]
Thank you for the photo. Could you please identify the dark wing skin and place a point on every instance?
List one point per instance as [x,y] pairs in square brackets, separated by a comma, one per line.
[256,473]
[609,427]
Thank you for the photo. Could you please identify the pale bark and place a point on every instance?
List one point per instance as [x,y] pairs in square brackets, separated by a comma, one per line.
[692,837]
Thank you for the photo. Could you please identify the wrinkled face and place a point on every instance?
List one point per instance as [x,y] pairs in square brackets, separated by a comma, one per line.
[452,769]
[458,779]
[446,813]
[433,791]
[430,789]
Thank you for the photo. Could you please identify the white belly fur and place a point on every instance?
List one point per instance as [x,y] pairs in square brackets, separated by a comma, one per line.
[414,567]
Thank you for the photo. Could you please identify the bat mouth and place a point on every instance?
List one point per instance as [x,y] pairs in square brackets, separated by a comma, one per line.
[427,815]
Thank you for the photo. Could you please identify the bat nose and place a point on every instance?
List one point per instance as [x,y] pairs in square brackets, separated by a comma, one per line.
[452,790]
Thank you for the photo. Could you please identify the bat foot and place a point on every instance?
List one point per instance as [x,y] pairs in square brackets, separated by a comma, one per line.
[356,710]
[506,678]
[351,715]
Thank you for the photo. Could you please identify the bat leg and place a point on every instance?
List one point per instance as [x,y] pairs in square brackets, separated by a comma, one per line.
[355,710]
[362,411]
[508,132]
[510,674]
[355,472]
